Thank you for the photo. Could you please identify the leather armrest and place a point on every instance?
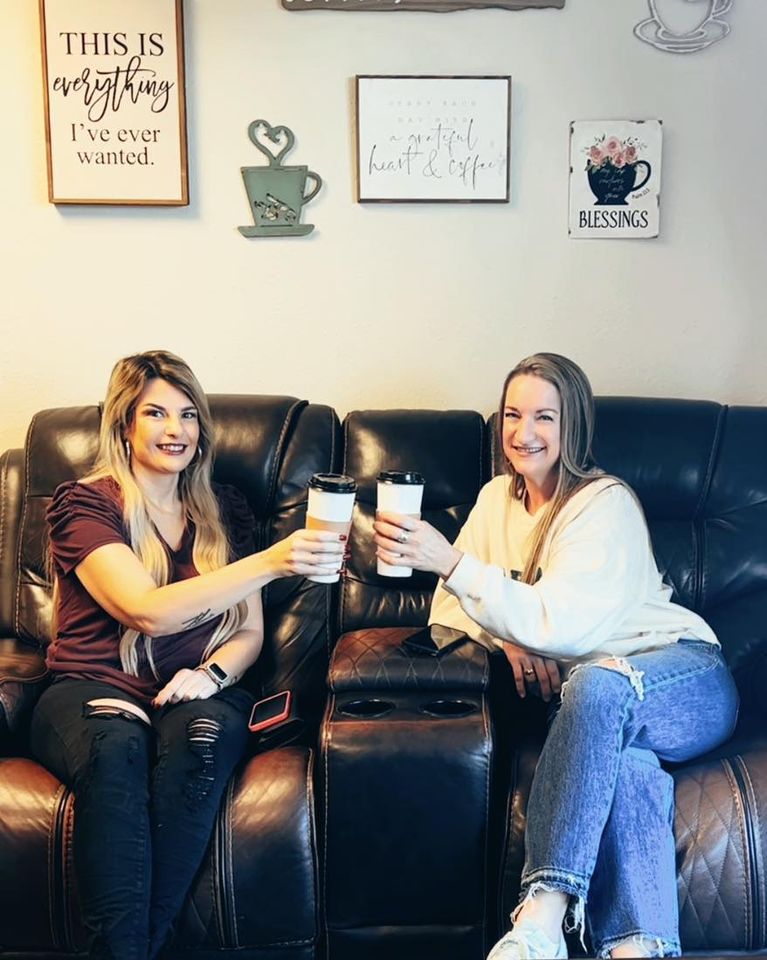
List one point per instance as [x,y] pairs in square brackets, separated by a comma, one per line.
[374,659]
[22,678]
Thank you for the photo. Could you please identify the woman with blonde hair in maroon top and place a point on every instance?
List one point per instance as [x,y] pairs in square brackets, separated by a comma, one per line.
[157,616]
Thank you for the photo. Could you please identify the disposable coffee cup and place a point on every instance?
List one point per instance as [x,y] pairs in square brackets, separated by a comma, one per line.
[399,493]
[331,502]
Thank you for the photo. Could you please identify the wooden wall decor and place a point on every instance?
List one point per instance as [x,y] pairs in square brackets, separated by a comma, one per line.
[277,192]
[435,6]
[115,120]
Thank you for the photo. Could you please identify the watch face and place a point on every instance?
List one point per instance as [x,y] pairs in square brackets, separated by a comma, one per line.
[217,672]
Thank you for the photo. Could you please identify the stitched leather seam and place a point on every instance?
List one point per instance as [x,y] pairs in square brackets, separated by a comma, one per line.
[343,591]
[23,680]
[51,832]
[700,565]
[327,736]
[312,839]
[53,879]
[66,859]
[215,883]
[229,865]
[481,445]
[486,854]
[23,522]
[3,485]
[758,875]
[287,424]
[738,803]
[328,604]
[507,836]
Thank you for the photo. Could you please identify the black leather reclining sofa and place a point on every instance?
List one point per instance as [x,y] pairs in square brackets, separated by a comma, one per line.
[394,827]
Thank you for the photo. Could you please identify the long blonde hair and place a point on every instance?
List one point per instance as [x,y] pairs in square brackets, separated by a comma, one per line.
[576,467]
[211,549]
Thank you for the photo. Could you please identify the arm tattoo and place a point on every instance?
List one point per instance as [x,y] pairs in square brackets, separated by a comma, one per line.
[196,620]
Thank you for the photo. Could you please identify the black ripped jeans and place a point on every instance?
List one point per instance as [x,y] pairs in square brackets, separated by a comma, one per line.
[146,798]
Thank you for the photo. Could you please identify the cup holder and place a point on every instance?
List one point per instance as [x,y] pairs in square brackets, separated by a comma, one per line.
[448,708]
[366,709]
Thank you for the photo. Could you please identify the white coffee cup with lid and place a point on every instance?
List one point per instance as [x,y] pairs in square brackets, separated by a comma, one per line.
[330,507]
[398,492]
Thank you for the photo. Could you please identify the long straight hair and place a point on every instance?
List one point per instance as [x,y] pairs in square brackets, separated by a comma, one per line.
[211,549]
[576,467]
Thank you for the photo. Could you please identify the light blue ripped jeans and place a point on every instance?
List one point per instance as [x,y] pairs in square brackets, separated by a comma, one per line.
[601,811]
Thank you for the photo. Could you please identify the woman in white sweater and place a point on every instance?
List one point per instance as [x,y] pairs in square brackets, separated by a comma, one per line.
[554,566]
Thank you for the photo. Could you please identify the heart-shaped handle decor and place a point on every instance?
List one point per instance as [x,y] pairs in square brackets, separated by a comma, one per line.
[273,142]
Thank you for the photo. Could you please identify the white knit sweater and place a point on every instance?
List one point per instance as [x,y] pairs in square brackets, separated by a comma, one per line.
[599,593]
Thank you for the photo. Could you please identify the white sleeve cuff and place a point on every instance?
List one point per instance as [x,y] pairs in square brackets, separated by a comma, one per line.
[467,571]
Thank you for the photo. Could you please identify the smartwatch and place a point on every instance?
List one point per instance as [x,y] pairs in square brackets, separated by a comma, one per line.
[217,674]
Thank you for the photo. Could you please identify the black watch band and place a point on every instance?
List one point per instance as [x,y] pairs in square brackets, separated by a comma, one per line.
[216,673]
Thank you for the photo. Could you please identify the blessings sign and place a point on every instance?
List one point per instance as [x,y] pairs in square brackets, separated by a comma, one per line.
[615,173]
[436,6]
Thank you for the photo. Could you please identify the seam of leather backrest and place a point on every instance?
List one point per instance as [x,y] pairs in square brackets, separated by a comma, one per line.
[326,730]
[230,903]
[486,726]
[23,520]
[279,452]
[3,486]
[738,804]
[328,603]
[698,524]
[3,497]
[481,451]
[313,842]
[67,860]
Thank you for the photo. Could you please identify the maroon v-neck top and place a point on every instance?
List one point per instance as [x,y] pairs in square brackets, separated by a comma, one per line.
[82,517]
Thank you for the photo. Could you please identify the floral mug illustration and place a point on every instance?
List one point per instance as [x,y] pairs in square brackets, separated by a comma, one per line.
[612,168]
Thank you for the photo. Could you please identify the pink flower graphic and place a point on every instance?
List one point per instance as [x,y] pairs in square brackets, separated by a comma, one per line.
[612,150]
[596,156]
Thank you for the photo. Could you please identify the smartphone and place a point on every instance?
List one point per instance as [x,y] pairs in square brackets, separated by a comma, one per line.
[270,712]
[434,641]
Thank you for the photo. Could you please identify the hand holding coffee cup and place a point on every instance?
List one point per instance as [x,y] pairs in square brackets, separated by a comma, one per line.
[406,542]
[308,553]
[400,494]
[330,508]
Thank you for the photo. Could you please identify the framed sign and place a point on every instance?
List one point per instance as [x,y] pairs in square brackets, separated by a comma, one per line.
[436,6]
[433,139]
[115,120]
[615,171]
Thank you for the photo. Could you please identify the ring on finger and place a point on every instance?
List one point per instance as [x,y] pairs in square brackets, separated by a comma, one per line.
[529,672]
[403,537]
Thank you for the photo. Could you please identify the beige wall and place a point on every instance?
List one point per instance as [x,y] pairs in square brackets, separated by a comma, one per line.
[399,305]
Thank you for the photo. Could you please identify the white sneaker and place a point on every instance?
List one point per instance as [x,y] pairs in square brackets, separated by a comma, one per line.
[526,941]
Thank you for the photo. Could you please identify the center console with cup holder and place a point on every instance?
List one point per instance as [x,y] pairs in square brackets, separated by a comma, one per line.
[405,761]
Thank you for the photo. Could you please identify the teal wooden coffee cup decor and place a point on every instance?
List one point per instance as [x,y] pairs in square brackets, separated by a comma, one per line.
[277,192]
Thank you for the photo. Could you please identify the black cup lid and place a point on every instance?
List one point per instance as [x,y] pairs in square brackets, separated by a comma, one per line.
[398,476]
[333,483]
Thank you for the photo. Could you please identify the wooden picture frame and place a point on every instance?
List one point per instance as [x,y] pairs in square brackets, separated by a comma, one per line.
[433,6]
[433,139]
[115,110]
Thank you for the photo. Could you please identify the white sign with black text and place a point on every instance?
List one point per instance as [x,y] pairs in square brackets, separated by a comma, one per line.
[114,92]
[615,175]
